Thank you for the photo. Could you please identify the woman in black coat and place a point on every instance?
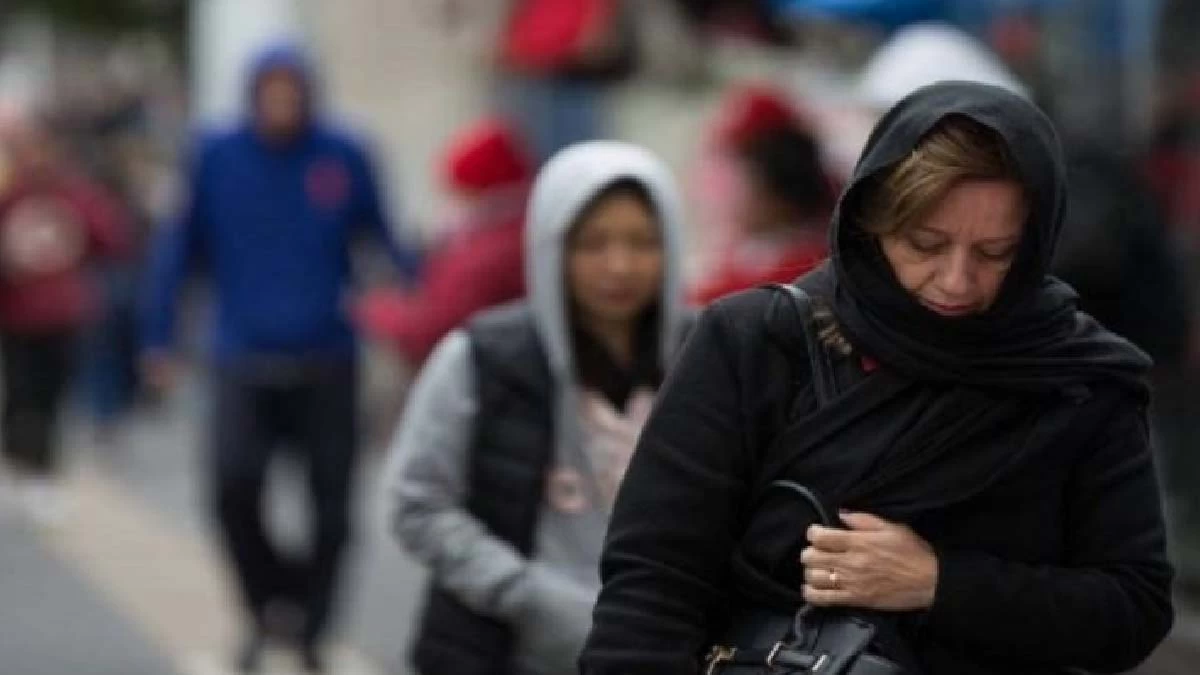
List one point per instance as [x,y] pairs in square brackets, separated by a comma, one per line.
[986,449]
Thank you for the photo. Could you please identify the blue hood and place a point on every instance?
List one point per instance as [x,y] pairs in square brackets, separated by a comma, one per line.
[283,56]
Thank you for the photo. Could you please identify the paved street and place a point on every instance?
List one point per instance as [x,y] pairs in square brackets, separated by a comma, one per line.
[132,585]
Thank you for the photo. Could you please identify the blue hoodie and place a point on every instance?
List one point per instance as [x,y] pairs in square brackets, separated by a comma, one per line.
[272,225]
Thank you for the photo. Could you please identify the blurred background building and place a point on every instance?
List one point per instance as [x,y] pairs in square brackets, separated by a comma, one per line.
[127,580]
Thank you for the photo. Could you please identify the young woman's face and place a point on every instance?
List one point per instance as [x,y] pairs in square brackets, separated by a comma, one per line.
[954,262]
[615,260]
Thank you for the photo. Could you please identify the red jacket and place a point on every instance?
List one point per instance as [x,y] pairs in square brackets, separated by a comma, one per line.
[49,233]
[752,262]
[476,268]
[481,261]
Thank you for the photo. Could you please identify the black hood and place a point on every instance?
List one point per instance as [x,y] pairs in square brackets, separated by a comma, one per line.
[1032,336]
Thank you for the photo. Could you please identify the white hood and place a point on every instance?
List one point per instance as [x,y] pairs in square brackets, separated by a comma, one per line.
[926,53]
[563,188]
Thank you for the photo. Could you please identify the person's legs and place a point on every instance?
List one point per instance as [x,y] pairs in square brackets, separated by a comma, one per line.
[242,445]
[328,439]
[37,369]
[576,112]
[17,374]
[551,113]
[111,353]
[56,358]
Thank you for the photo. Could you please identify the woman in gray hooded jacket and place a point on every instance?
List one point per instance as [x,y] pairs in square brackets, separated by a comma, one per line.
[506,462]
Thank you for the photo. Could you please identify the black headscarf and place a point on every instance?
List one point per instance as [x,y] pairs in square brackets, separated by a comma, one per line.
[1032,338]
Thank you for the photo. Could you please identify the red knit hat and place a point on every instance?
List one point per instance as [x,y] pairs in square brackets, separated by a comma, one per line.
[752,110]
[486,155]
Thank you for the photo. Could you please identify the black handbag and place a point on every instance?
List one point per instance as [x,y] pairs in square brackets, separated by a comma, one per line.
[812,641]
[815,641]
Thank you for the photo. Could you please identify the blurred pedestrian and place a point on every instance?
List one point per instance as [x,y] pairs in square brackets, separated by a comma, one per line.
[1116,253]
[54,223]
[1174,170]
[478,262]
[555,62]
[515,440]
[112,139]
[274,206]
[781,206]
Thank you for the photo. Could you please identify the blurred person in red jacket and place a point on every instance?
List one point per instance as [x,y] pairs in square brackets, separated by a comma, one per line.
[53,223]
[478,263]
[779,196]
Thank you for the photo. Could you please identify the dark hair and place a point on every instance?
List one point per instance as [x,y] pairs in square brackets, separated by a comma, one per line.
[621,187]
[597,369]
[594,366]
[787,162]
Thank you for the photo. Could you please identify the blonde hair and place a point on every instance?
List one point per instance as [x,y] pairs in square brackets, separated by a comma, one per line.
[956,149]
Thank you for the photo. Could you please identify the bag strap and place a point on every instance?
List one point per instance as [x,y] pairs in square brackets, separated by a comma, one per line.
[797,433]
[824,383]
[820,364]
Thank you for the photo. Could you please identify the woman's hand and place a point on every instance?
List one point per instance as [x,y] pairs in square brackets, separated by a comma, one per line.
[875,564]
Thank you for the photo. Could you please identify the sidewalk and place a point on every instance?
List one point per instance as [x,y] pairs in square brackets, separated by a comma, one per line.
[132,583]
[52,622]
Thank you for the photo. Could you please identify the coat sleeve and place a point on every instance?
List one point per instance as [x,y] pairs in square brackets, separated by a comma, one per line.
[456,286]
[173,250]
[427,485]
[371,215]
[1108,606]
[665,566]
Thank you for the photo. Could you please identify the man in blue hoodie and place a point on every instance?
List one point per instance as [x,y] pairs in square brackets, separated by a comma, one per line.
[273,208]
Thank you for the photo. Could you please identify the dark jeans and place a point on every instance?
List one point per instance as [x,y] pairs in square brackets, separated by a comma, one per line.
[311,409]
[37,368]
[110,351]
[552,113]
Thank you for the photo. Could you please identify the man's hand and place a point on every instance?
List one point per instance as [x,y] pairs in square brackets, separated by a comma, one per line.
[875,564]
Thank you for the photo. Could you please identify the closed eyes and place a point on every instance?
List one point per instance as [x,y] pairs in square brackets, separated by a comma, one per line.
[934,246]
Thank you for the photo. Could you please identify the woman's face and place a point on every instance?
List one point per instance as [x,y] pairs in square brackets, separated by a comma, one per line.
[615,260]
[954,262]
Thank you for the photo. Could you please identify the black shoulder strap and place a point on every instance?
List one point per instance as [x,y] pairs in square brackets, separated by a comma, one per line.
[799,432]
[825,389]
[820,364]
